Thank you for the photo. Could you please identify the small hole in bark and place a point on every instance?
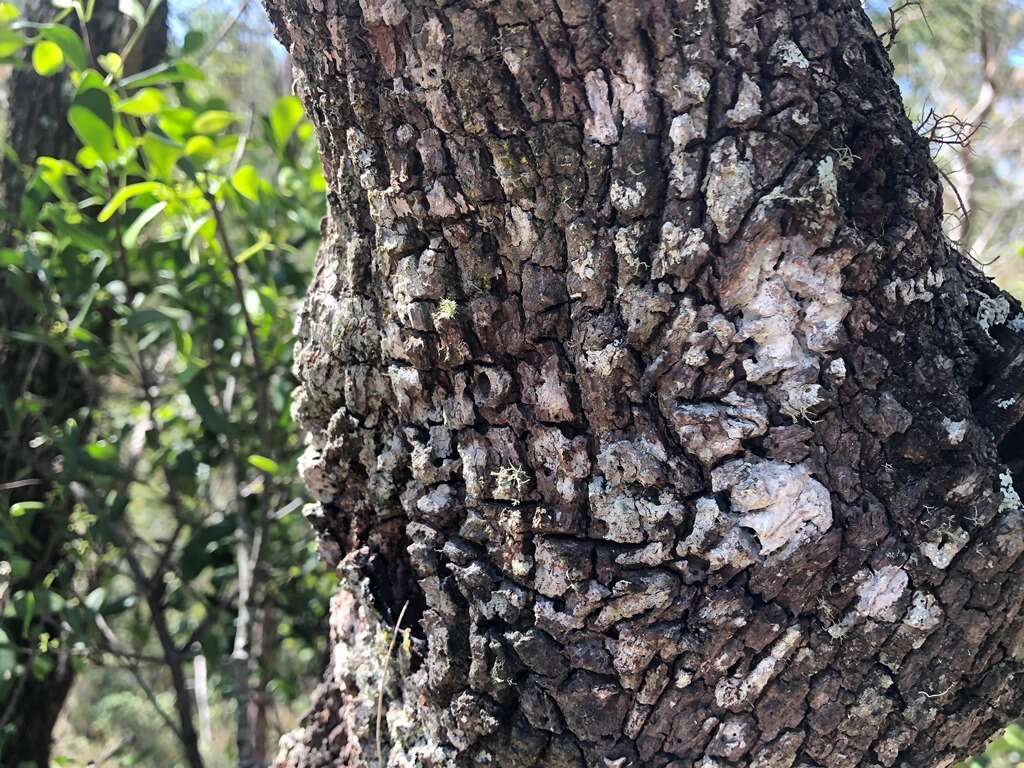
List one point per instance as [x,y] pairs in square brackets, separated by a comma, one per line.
[1011,452]
[483,386]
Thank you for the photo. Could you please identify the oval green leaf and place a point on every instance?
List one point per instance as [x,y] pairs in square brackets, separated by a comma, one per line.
[264,464]
[47,58]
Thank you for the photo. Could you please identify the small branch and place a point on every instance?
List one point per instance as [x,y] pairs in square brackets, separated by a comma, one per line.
[115,647]
[384,682]
[16,484]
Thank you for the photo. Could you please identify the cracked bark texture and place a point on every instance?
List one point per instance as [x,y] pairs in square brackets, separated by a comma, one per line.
[636,363]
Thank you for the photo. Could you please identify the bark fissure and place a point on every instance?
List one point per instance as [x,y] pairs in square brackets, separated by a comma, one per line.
[635,341]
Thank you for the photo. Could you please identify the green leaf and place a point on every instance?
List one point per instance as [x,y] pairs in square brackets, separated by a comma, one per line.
[8,13]
[161,154]
[194,41]
[125,194]
[47,58]
[264,464]
[146,316]
[22,508]
[246,182]
[65,37]
[200,148]
[28,611]
[101,451]
[92,118]
[131,235]
[148,101]
[212,419]
[214,121]
[284,119]
[205,227]
[134,10]
[10,42]
[94,600]
[8,658]
[112,63]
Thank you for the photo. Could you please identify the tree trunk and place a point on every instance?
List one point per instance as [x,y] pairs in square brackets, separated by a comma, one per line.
[37,125]
[636,364]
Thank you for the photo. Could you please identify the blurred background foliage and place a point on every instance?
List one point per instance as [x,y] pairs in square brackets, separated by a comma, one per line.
[164,261]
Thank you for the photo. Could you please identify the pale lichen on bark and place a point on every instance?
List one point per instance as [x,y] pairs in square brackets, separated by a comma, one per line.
[691,477]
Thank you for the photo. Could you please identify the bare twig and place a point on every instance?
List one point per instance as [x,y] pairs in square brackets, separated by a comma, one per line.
[384,681]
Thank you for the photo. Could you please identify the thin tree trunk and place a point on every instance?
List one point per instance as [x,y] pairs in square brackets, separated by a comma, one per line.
[636,363]
[36,126]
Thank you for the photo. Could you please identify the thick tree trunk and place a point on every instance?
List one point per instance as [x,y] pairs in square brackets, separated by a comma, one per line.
[36,125]
[637,365]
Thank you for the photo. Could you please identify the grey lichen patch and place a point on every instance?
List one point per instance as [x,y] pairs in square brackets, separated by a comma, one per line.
[1010,499]
[909,290]
[788,55]
[925,613]
[747,108]
[993,311]
[718,538]
[943,544]
[738,693]
[628,519]
[685,159]
[730,188]
[680,253]
[955,431]
[559,564]
[783,504]
[881,593]
[600,123]
[711,432]
[827,178]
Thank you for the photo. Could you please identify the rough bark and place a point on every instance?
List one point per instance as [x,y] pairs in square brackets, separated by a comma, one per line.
[36,125]
[637,364]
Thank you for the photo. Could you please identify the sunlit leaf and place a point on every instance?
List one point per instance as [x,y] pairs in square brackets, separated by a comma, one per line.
[213,121]
[47,58]
[163,74]
[131,235]
[133,9]
[66,38]
[200,148]
[22,508]
[146,102]
[101,451]
[264,464]
[125,194]
[246,182]
[284,118]
[112,63]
